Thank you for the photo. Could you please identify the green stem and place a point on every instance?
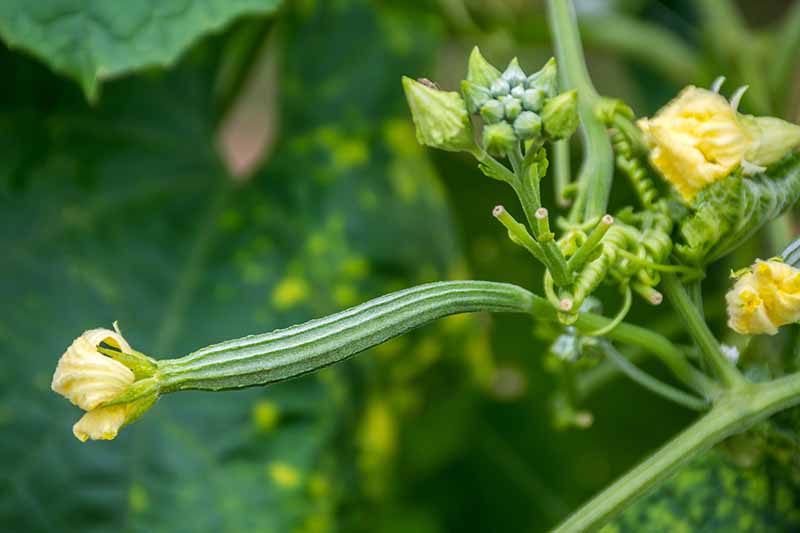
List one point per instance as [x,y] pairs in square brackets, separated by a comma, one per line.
[291,352]
[736,410]
[555,261]
[652,384]
[594,180]
[654,343]
[561,172]
[699,331]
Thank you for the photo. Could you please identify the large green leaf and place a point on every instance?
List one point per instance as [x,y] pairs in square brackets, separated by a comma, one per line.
[97,40]
[124,212]
[714,494]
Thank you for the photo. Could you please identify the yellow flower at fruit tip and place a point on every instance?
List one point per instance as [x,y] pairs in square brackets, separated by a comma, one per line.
[766,297]
[699,138]
[89,378]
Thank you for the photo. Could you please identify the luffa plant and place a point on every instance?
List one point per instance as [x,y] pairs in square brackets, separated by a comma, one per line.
[725,175]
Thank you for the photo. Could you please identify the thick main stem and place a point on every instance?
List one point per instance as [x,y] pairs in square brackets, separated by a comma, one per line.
[735,411]
[698,329]
[594,181]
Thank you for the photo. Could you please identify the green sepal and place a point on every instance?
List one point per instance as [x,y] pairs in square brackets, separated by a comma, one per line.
[731,210]
[514,74]
[480,71]
[545,79]
[136,391]
[141,365]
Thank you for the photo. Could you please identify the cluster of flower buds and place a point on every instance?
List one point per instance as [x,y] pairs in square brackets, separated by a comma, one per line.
[513,107]
[104,376]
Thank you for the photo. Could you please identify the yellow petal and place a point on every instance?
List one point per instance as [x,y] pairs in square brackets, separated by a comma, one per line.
[88,378]
[746,311]
[695,140]
[102,423]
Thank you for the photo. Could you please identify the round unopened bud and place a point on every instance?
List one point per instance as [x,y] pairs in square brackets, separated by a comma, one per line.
[492,111]
[440,117]
[528,125]
[518,92]
[474,95]
[560,115]
[498,138]
[545,79]
[512,106]
[480,71]
[500,88]
[533,99]
[514,74]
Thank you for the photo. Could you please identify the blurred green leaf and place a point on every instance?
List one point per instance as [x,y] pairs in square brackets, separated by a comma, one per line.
[125,212]
[97,40]
[714,494]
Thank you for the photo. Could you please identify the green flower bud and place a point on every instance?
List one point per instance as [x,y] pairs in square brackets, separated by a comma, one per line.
[500,87]
[492,111]
[512,107]
[533,99]
[480,71]
[514,74]
[518,92]
[440,117]
[545,79]
[560,115]
[772,138]
[528,125]
[498,138]
[474,95]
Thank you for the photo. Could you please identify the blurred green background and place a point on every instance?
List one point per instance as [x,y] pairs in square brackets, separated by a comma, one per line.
[271,175]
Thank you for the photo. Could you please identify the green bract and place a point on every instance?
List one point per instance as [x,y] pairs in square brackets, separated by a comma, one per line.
[560,115]
[729,211]
[441,117]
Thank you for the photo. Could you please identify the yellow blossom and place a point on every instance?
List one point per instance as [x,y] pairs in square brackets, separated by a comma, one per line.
[87,377]
[105,388]
[699,138]
[695,140]
[765,298]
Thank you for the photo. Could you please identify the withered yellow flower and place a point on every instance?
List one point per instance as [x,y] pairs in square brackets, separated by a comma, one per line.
[87,377]
[105,388]
[699,138]
[764,298]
